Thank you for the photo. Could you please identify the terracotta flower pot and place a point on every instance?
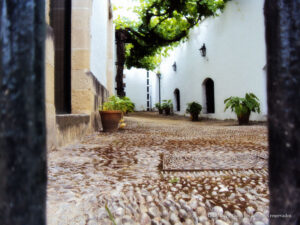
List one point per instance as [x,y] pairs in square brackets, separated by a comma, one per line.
[244,119]
[195,117]
[167,111]
[110,120]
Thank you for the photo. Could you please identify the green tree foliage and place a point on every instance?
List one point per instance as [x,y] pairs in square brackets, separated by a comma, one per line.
[162,25]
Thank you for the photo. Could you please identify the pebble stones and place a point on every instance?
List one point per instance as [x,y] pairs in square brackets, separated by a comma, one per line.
[259,217]
[203,219]
[145,219]
[246,221]
[173,218]
[218,210]
[207,197]
[238,214]
[153,212]
[201,211]
[182,214]
[250,210]
[221,222]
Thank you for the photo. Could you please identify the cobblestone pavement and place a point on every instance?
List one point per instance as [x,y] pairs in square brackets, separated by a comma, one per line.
[122,171]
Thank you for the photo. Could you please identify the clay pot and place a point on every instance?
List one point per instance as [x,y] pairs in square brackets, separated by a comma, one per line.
[167,111]
[110,120]
[195,117]
[244,119]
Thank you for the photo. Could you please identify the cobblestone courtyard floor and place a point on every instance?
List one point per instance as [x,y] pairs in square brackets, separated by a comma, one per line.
[123,171]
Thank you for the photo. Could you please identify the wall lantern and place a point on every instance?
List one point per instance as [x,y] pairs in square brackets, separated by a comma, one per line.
[174,66]
[203,50]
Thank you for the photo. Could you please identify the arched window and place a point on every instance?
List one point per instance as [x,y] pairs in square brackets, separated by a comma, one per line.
[177,99]
[209,97]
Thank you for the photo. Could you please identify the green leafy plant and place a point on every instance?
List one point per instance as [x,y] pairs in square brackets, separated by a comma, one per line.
[158,106]
[194,109]
[243,106]
[114,103]
[129,104]
[167,104]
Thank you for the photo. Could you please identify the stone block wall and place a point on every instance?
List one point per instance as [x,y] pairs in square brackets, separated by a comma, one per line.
[49,89]
[87,93]
[81,82]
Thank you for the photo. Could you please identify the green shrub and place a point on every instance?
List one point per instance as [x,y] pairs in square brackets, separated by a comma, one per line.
[158,106]
[241,106]
[194,109]
[115,103]
[129,104]
[167,104]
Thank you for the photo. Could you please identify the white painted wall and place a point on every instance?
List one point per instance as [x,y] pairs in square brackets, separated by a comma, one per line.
[99,22]
[136,87]
[235,44]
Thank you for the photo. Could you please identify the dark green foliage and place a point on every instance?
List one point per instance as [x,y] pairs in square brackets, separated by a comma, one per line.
[162,25]
[167,104]
[250,103]
[194,108]
[158,106]
[129,104]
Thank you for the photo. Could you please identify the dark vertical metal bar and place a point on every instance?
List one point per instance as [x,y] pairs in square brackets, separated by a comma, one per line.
[23,172]
[282,20]
[159,91]
[148,91]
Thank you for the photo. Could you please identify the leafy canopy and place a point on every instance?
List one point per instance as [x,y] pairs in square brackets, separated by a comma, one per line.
[242,106]
[161,26]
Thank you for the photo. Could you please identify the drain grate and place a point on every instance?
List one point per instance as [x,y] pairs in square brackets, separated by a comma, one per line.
[185,161]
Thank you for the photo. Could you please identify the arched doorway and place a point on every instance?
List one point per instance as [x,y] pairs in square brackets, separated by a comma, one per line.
[209,92]
[177,99]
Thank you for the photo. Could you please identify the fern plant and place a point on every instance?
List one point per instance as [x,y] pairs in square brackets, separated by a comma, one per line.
[243,106]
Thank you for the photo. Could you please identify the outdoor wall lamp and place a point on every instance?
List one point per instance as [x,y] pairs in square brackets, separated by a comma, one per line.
[174,66]
[203,50]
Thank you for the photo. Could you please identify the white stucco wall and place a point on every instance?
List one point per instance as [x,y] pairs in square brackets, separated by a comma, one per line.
[235,59]
[98,56]
[136,87]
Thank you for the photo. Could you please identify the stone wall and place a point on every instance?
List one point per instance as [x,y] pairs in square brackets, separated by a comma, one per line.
[49,89]
[87,93]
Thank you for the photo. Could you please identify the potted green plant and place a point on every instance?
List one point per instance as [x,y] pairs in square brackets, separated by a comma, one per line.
[194,109]
[128,104]
[243,106]
[159,107]
[111,113]
[167,106]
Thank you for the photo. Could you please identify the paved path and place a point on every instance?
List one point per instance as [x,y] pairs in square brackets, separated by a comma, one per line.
[123,171]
